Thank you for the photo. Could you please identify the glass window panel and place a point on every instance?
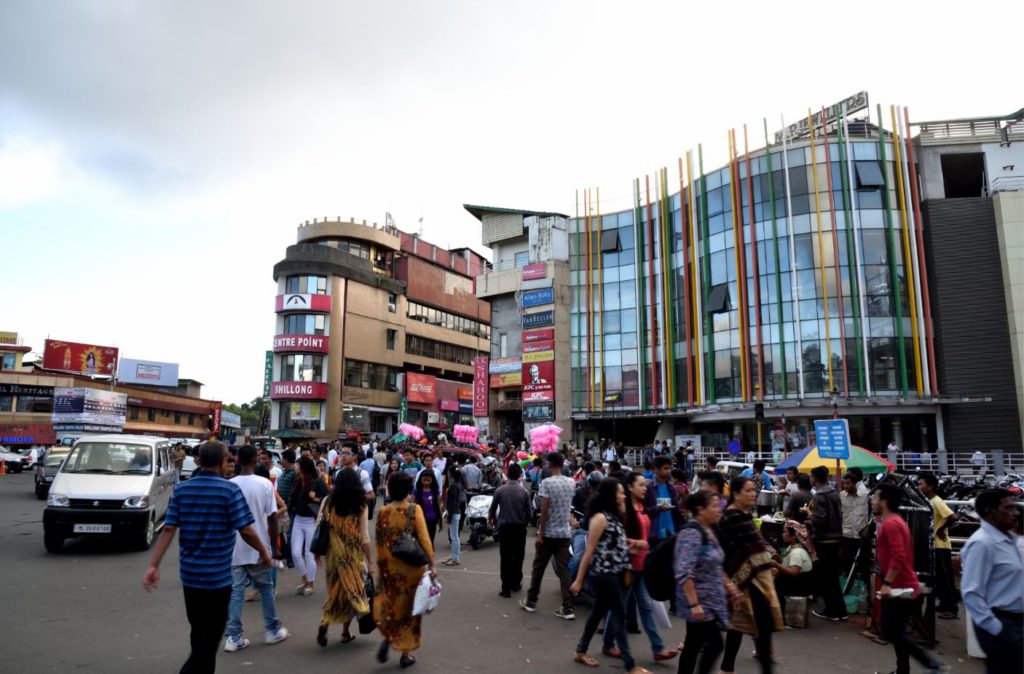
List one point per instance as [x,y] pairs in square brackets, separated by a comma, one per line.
[629,340]
[627,295]
[612,341]
[610,322]
[627,321]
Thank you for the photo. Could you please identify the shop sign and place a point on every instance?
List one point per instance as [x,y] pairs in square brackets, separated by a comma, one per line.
[545,335]
[504,365]
[301,343]
[542,412]
[466,392]
[8,338]
[268,372]
[466,408]
[541,319]
[480,369]
[151,372]
[450,405]
[535,271]
[89,406]
[27,434]
[534,347]
[536,298]
[216,419]
[298,390]
[506,380]
[298,302]
[304,411]
[538,357]
[23,390]
[802,127]
[538,378]
[421,388]
[538,396]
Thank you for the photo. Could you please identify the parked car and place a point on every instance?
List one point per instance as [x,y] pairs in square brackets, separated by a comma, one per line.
[110,485]
[14,461]
[47,469]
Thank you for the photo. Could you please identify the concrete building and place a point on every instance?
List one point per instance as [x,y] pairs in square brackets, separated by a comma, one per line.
[527,285]
[11,351]
[374,327]
[972,198]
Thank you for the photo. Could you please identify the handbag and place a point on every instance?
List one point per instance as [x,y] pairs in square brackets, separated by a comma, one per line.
[366,622]
[407,548]
[321,542]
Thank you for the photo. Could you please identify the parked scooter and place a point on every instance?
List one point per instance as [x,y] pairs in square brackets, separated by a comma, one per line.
[476,517]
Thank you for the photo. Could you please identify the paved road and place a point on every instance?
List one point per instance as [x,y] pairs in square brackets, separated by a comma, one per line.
[85,610]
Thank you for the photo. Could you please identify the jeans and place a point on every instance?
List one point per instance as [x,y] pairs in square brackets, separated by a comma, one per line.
[945,585]
[548,548]
[638,592]
[895,614]
[262,580]
[1010,641]
[764,623]
[826,572]
[432,530]
[207,612]
[609,597]
[512,551]
[703,640]
[453,535]
[302,538]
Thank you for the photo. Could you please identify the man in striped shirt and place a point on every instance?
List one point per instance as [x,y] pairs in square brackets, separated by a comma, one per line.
[208,510]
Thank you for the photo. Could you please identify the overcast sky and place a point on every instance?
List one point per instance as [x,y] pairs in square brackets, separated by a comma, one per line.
[156,157]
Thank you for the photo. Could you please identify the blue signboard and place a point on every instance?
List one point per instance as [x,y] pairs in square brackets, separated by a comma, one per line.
[535,298]
[833,438]
[540,319]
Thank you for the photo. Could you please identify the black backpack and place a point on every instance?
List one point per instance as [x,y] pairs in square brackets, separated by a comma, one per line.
[659,567]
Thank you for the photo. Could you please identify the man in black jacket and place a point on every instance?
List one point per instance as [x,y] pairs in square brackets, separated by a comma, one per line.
[511,510]
[826,520]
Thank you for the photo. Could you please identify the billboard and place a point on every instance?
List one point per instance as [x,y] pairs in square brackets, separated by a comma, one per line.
[87,359]
[507,380]
[421,388]
[132,371]
[541,412]
[541,319]
[89,406]
[504,365]
[480,369]
[545,335]
[535,298]
[539,381]
[535,271]
[307,411]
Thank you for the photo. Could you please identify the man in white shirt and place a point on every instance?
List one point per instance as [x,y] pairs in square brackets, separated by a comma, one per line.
[348,460]
[978,460]
[245,562]
[332,458]
[609,454]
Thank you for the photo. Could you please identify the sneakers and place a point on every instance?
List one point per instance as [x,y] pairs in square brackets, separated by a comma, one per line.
[232,644]
[824,616]
[527,606]
[565,613]
[275,637]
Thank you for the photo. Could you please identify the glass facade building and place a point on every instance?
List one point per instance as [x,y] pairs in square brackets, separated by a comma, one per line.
[790,273]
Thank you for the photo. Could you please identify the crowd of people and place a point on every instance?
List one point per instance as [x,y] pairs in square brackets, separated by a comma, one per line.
[670,536]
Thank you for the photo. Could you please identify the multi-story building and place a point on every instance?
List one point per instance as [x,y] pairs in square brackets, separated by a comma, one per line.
[972,201]
[789,284]
[527,285]
[374,327]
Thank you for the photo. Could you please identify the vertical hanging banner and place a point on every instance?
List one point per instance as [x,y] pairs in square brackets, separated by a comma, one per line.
[268,373]
[480,380]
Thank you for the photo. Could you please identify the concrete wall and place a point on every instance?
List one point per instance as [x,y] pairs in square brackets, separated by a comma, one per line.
[439,288]
[1009,212]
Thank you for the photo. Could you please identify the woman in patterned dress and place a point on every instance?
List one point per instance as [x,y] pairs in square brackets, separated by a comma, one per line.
[396,586]
[347,557]
[607,558]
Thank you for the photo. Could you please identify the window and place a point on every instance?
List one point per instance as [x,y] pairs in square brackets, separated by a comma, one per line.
[151,414]
[392,302]
[177,417]
[522,259]
[305,324]
[34,404]
[718,299]
[191,420]
[869,175]
[503,345]
[302,368]
[429,348]
[301,415]
[391,339]
[963,175]
[306,285]
[610,241]
[133,412]
[7,361]
[425,314]
[360,374]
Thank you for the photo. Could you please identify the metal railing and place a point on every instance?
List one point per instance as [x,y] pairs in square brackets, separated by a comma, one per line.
[1007,184]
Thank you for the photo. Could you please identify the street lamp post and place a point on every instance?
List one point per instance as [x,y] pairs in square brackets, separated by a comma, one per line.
[835,415]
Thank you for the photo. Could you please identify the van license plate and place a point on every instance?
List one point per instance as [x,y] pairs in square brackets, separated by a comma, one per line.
[92,529]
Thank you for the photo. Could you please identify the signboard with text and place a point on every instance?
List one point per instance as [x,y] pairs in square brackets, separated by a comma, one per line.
[534,347]
[504,365]
[536,298]
[538,381]
[480,369]
[507,380]
[544,335]
[833,436]
[541,319]
[802,127]
[154,373]
[421,388]
[298,390]
[301,344]
[88,359]
[535,271]
[300,302]
[541,412]
[538,357]
[268,372]
[89,406]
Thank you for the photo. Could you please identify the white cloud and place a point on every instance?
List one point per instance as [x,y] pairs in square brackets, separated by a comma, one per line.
[29,172]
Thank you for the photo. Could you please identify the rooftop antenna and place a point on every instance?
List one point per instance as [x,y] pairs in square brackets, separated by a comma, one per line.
[420,234]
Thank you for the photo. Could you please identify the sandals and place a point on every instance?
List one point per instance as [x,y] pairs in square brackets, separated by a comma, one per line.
[666,655]
[585,659]
[321,635]
[307,590]
[451,562]
[347,637]
[612,652]
[407,660]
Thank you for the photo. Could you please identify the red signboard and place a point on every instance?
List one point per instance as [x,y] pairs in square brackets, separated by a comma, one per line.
[480,386]
[83,358]
[216,419]
[535,271]
[542,335]
[27,434]
[301,344]
[533,347]
[465,393]
[421,388]
[450,405]
[298,390]
[539,381]
[300,302]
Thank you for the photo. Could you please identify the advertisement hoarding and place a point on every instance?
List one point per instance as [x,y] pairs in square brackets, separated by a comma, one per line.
[545,335]
[538,357]
[89,406]
[535,271]
[536,298]
[449,405]
[421,388]
[538,381]
[507,380]
[505,365]
[86,359]
[480,369]
[301,344]
[298,390]
[534,347]
[541,319]
[155,373]
[541,412]
[268,372]
[216,419]
[466,392]
[307,411]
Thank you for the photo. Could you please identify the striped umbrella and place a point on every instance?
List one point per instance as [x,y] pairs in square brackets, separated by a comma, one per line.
[806,459]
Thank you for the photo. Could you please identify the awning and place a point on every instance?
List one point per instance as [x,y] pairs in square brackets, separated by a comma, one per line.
[290,434]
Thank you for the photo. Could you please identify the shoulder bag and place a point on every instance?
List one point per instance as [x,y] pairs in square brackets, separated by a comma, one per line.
[407,548]
[321,542]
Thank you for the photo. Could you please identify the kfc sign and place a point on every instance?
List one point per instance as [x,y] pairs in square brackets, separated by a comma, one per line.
[297,302]
[421,388]
[298,390]
[301,344]
[480,386]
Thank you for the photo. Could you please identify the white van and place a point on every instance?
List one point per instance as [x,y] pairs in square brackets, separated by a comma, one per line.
[110,485]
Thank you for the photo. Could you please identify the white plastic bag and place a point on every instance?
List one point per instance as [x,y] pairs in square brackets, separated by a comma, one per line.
[661,618]
[428,594]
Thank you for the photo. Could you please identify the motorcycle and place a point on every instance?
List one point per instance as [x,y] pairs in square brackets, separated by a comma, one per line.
[477,511]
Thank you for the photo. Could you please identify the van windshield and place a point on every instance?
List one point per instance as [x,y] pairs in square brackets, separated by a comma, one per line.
[110,458]
[54,457]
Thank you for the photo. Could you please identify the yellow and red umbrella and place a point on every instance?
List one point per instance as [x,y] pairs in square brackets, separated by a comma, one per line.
[806,459]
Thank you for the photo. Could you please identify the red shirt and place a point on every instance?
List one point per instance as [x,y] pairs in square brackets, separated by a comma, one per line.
[896,552]
[637,558]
